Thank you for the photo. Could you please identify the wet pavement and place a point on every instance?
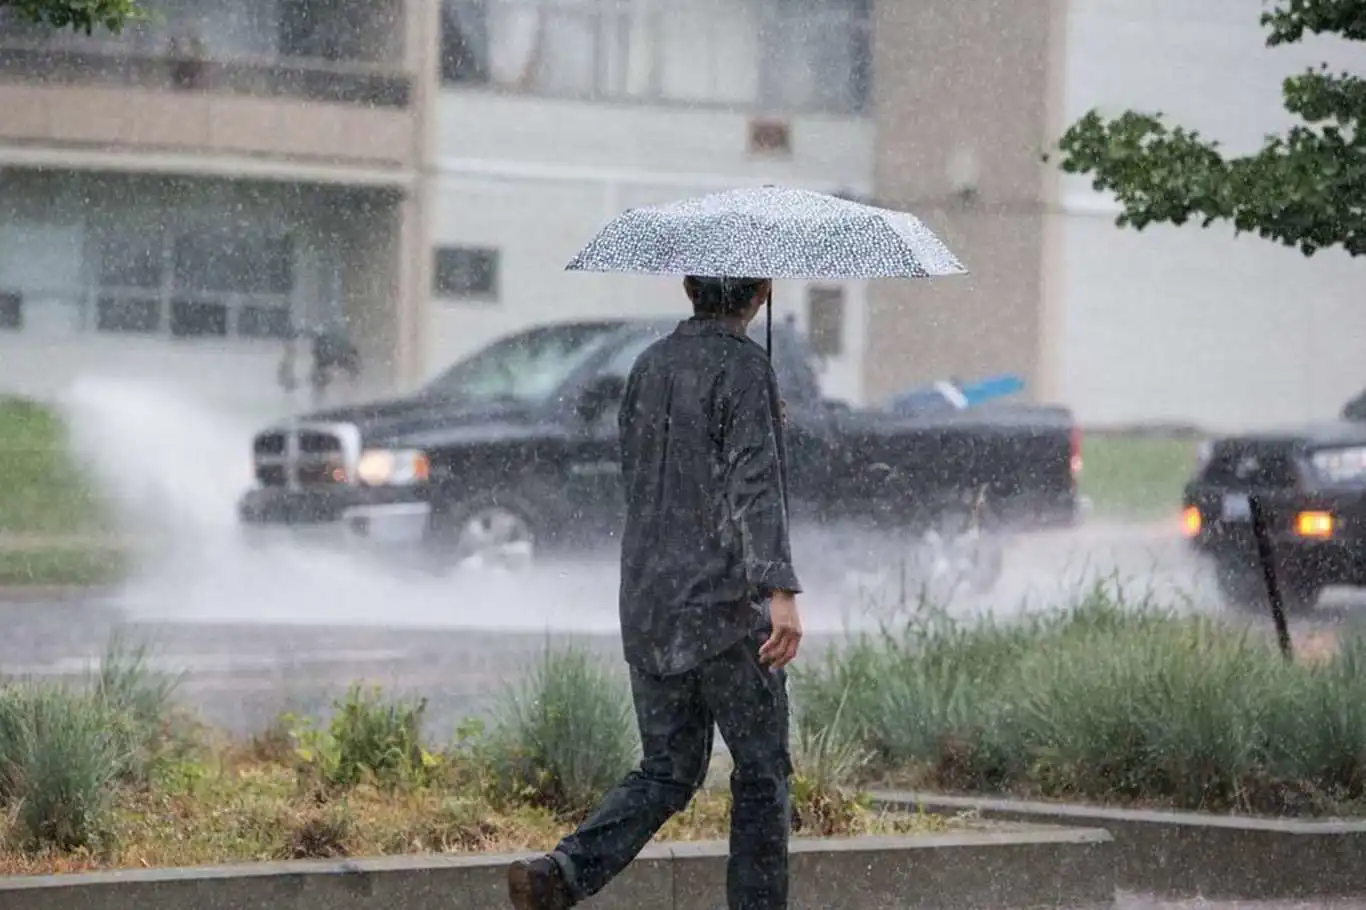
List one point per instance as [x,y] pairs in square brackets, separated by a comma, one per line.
[255,634]
[240,676]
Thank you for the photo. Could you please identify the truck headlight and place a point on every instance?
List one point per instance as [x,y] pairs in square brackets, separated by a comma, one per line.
[1340,465]
[393,467]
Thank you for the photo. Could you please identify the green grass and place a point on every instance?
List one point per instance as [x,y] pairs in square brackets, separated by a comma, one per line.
[1109,701]
[112,772]
[62,565]
[64,747]
[1135,476]
[48,502]
[44,490]
[565,734]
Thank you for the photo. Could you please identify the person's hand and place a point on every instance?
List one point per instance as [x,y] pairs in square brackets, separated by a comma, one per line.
[781,646]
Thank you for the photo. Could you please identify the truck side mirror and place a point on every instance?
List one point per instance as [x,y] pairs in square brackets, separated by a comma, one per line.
[599,396]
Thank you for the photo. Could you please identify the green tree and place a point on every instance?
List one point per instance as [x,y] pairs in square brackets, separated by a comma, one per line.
[1305,188]
[80,15]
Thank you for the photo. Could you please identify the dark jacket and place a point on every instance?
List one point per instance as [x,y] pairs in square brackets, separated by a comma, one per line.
[706,535]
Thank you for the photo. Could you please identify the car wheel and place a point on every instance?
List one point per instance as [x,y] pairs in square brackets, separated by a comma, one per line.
[1243,588]
[489,532]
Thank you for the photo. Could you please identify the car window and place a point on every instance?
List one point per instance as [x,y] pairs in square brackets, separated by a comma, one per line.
[621,362]
[529,366]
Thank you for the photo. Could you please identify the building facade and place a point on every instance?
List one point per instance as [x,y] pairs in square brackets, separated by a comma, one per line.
[417,172]
[966,96]
[176,201]
[1167,325]
[555,116]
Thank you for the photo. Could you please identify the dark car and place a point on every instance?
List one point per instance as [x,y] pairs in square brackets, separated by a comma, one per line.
[515,448]
[1311,482]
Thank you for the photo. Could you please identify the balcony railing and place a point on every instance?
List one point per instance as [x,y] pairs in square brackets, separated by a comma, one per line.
[114,65]
[273,48]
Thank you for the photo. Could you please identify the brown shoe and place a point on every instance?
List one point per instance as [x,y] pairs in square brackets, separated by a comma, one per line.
[538,884]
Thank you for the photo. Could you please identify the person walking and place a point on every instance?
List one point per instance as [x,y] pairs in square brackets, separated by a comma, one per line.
[708,606]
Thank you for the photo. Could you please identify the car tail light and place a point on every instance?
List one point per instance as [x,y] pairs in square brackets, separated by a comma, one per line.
[1074,451]
[1191,521]
[1314,524]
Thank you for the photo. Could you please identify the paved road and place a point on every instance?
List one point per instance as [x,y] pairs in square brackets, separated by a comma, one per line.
[256,633]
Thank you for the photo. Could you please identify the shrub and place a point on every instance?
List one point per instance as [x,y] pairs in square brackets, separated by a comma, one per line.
[64,748]
[827,761]
[565,736]
[60,756]
[370,738]
[140,703]
[1107,700]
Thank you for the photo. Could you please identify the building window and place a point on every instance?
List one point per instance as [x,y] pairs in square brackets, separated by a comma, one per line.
[11,311]
[198,319]
[132,259]
[782,56]
[115,313]
[825,319]
[195,284]
[466,272]
[255,321]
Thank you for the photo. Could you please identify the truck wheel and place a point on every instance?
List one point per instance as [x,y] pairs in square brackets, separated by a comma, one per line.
[488,531]
[1243,588]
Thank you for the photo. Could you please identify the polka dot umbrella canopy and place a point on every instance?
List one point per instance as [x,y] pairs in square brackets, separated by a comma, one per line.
[768,232]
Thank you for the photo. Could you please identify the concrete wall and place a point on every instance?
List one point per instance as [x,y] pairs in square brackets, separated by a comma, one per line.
[972,870]
[1183,323]
[536,178]
[135,122]
[962,101]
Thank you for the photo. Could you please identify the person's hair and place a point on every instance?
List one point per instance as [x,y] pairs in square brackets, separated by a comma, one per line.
[721,296]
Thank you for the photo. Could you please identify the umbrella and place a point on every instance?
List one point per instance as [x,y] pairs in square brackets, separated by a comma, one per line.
[768,232]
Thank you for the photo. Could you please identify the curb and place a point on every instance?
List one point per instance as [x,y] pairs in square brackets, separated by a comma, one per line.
[53,594]
[1190,854]
[977,870]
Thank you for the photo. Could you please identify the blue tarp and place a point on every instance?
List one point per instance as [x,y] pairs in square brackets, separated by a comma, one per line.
[954,395]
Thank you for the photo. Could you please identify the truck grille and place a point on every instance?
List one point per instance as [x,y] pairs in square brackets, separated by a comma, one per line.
[305,457]
[1253,464]
[269,444]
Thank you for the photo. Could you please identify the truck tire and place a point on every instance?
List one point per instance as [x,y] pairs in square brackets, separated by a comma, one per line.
[1242,587]
[492,530]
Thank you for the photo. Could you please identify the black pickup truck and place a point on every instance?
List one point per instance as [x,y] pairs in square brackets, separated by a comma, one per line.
[514,449]
[1311,482]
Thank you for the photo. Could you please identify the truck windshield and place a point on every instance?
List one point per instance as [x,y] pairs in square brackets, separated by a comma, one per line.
[528,366]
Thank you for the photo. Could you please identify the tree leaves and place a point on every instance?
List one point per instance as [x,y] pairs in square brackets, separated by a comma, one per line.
[1305,189]
[80,15]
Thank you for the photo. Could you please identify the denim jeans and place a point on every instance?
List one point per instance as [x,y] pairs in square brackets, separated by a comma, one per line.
[732,691]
